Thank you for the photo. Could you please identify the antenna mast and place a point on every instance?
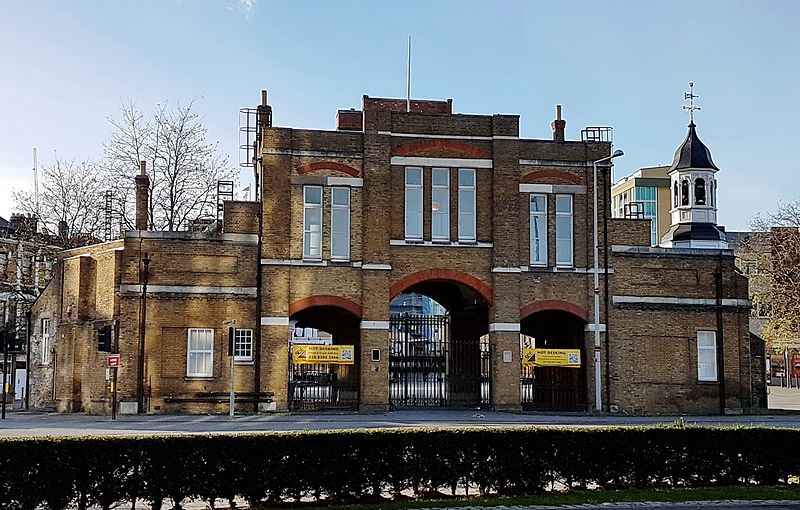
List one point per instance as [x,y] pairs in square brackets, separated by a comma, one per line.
[35,185]
[408,77]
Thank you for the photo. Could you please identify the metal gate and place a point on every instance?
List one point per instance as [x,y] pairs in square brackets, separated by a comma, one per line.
[552,388]
[323,386]
[429,368]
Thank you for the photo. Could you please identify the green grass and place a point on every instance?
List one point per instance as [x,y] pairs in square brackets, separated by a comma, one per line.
[576,497]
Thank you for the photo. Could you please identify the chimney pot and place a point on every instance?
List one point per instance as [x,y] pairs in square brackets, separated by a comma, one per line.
[142,167]
[263,98]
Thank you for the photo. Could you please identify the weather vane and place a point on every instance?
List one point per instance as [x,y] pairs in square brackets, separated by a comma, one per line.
[690,96]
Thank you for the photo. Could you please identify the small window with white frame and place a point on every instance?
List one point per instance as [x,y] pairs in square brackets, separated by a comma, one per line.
[538,226]
[200,353]
[413,203]
[243,345]
[706,355]
[466,204]
[47,342]
[312,222]
[440,204]
[564,241]
[340,223]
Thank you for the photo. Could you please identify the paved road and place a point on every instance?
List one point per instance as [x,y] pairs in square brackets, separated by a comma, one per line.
[33,424]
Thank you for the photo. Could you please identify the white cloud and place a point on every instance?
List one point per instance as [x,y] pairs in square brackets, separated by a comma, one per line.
[248,4]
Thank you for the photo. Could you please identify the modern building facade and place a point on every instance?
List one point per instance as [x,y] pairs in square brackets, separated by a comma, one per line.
[405,198]
[645,195]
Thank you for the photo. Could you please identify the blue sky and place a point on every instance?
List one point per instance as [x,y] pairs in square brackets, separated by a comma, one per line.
[66,65]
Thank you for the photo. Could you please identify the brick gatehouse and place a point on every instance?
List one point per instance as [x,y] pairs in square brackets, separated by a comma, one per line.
[496,228]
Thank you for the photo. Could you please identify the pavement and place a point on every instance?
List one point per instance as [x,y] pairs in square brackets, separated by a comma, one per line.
[688,505]
[22,424]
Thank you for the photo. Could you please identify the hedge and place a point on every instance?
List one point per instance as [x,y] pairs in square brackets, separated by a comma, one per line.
[347,466]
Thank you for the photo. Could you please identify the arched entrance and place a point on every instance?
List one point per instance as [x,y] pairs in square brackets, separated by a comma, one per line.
[324,337]
[438,341]
[553,376]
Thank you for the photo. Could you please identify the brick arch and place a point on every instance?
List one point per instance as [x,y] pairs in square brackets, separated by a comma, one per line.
[324,300]
[441,274]
[326,165]
[553,304]
[551,177]
[441,148]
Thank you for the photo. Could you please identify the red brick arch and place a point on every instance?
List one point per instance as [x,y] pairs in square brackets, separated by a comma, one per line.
[551,177]
[553,304]
[441,274]
[454,148]
[324,300]
[327,165]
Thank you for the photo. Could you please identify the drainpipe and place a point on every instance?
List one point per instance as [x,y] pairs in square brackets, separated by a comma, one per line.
[142,326]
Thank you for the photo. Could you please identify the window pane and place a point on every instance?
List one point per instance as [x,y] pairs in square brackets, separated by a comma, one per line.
[563,203]
[466,201]
[313,195]
[538,203]
[414,212]
[538,233]
[440,214]
[564,227]
[413,176]
[340,196]
[466,226]
[466,177]
[564,251]
[440,177]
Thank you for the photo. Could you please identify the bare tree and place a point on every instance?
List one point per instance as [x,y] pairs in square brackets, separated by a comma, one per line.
[776,252]
[70,197]
[184,166]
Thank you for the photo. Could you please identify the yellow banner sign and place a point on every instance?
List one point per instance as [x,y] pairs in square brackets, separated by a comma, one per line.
[332,354]
[551,358]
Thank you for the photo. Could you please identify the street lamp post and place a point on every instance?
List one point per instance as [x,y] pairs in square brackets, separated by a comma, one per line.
[598,399]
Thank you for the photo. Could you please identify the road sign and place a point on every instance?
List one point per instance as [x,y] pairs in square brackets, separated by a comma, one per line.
[114,361]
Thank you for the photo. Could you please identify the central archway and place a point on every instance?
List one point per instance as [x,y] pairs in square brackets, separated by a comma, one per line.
[439,357]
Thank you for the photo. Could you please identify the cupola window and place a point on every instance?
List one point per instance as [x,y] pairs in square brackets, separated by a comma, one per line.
[699,191]
[675,190]
[685,192]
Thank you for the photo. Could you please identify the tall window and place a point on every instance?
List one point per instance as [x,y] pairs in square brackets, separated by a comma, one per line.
[200,353]
[47,342]
[413,203]
[466,204]
[312,222]
[440,204]
[675,190]
[340,223]
[647,195]
[706,356]
[538,230]
[243,345]
[564,230]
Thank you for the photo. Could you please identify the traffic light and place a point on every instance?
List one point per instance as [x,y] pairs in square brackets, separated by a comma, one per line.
[104,339]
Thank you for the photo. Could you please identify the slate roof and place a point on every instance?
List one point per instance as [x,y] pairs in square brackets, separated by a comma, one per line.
[692,153]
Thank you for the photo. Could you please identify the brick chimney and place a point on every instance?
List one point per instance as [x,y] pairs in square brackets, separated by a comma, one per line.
[558,126]
[142,182]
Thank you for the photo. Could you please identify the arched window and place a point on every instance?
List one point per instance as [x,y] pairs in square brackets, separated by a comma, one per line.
[675,189]
[700,191]
[685,192]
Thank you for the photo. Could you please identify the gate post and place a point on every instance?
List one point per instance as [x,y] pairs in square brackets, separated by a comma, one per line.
[374,376]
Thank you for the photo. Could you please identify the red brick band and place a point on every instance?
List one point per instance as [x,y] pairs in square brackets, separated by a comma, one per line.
[326,165]
[441,274]
[458,148]
[551,177]
[335,301]
[553,304]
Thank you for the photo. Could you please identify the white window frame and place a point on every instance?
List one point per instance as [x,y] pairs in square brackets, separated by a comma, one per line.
[444,209]
[243,343]
[707,343]
[199,352]
[344,252]
[416,189]
[467,236]
[47,341]
[542,234]
[570,215]
[308,233]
